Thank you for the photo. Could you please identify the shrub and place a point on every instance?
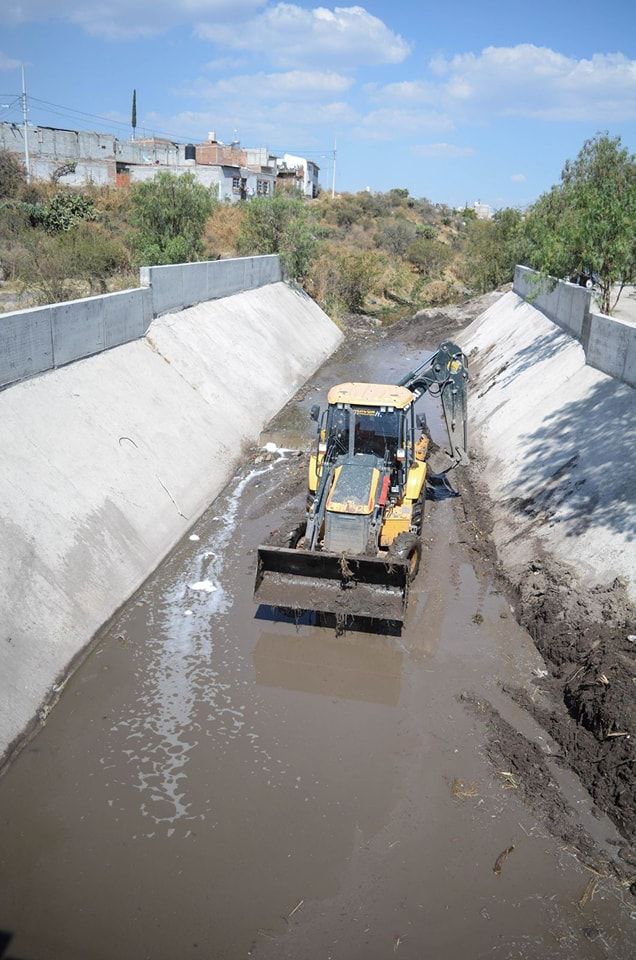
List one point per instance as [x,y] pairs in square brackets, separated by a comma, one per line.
[169,214]
[396,236]
[279,225]
[65,209]
[429,256]
[12,176]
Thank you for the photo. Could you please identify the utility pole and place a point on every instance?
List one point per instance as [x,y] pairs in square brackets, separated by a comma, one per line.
[25,113]
[333,179]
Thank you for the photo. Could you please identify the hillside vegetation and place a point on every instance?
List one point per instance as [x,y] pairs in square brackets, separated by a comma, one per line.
[388,254]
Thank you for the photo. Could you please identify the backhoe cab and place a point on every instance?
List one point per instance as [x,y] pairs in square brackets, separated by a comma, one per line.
[360,545]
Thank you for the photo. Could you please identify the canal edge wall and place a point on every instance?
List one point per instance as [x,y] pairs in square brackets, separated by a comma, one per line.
[609,344]
[110,460]
[43,338]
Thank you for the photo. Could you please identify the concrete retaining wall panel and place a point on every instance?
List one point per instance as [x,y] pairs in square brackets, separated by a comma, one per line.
[107,462]
[609,343]
[610,346]
[32,341]
[127,316]
[566,304]
[195,284]
[166,284]
[78,329]
[26,345]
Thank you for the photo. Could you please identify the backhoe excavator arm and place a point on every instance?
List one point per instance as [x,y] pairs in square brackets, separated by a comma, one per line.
[445,374]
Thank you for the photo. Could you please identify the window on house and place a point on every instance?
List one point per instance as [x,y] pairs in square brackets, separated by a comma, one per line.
[262,187]
[236,184]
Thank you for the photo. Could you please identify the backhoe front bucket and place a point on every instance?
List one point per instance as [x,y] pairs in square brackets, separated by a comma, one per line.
[332,583]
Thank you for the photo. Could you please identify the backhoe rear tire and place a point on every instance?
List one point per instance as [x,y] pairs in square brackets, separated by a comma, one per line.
[407,546]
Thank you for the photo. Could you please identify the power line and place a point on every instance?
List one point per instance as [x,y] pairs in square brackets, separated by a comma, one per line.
[41,106]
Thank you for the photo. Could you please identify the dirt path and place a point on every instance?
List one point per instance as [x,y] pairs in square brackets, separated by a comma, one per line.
[218,784]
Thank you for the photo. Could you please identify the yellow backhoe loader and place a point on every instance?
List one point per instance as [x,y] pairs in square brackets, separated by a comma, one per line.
[359,547]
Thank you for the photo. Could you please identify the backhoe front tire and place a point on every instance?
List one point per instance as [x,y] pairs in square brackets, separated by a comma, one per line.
[407,546]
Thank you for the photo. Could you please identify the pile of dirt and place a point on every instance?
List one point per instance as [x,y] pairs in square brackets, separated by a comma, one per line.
[524,767]
[587,638]
[435,324]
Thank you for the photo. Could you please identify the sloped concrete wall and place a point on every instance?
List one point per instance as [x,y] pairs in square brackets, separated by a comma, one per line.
[108,461]
[559,441]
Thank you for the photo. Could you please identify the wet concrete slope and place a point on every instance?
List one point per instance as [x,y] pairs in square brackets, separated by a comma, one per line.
[215,782]
[109,460]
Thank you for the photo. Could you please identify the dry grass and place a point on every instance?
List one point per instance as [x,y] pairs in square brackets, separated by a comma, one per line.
[222,230]
[463,791]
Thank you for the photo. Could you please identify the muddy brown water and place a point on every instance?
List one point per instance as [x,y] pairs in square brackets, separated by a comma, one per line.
[218,783]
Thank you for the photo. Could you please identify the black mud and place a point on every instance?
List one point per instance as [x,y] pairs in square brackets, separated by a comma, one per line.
[585,697]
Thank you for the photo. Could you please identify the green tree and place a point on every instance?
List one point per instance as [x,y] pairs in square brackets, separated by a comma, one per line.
[491,250]
[587,222]
[169,214]
[280,225]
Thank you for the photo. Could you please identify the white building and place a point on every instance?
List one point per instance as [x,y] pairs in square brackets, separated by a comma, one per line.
[303,172]
[483,211]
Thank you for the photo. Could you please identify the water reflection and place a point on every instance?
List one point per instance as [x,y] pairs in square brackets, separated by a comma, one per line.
[351,667]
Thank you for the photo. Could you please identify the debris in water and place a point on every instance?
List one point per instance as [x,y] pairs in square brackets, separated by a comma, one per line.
[206,585]
[540,672]
[477,618]
[462,791]
[510,779]
[193,536]
[501,859]
[590,890]
[297,907]
[271,447]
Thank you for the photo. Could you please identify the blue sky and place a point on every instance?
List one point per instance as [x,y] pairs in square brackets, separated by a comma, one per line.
[457,101]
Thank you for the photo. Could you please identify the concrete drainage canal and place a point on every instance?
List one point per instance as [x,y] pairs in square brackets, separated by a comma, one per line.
[218,781]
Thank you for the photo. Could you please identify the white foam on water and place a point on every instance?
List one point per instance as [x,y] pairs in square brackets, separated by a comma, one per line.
[206,585]
[182,697]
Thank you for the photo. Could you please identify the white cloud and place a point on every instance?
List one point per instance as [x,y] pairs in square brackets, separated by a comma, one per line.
[291,35]
[404,92]
[294,84]
[518,178]
[531,81]
[442,150]
[7,63]
[222,64]
[124,19]
[389,124]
